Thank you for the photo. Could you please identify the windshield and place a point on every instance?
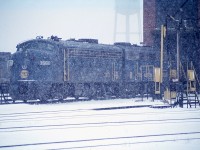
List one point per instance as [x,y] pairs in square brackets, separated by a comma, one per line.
[37,45]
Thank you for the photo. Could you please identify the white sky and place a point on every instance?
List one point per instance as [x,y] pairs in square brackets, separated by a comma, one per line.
[21,20]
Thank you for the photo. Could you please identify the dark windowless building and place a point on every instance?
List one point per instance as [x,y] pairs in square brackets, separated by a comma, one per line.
[178,15]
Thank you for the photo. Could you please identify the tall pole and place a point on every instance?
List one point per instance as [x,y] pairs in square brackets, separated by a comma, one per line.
[163,33]
[178,53]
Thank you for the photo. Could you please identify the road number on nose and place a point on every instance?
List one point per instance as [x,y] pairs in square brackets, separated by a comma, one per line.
[45,63]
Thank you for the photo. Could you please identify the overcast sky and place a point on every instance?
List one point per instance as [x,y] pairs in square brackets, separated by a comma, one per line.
[21,20]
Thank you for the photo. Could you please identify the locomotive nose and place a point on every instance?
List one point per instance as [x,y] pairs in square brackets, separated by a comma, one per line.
[22,80]
[21,64]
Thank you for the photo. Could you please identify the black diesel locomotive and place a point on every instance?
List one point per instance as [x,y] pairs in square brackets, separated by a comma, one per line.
[56,69]
[4,67]
[5,64]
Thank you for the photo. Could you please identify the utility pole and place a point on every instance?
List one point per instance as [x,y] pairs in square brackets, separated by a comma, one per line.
[178,53]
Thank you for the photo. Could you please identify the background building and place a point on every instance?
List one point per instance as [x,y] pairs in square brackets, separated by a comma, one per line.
[155,12]
[179,15]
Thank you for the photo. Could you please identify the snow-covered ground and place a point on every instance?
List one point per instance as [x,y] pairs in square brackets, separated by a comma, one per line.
[83,125]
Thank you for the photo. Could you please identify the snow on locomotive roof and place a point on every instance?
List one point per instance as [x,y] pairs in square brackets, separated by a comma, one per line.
[32,40]
[86,45]
[83,44]
[89,44]
[79,44]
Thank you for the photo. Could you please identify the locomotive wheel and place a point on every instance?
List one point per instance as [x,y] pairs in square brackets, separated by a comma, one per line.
[88,91]
[8,101]
[76,97]
[59,96]
[43,100]
[116,91]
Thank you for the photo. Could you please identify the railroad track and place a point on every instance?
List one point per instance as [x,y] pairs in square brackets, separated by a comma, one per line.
[115,139]
[69,114]
[123,127]
[98,124]
[80,110]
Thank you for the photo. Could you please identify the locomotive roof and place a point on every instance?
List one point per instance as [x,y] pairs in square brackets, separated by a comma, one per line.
[76,44]
[95,46]
[85,45]
[34,40]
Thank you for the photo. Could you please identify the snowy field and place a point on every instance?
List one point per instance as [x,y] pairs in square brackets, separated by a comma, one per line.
[84,125]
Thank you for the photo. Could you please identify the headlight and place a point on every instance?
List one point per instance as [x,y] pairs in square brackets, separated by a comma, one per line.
[24,74]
